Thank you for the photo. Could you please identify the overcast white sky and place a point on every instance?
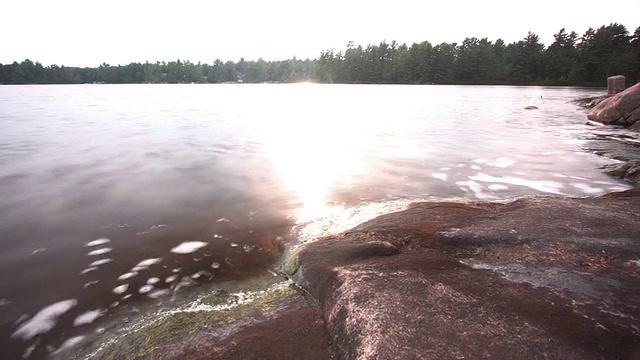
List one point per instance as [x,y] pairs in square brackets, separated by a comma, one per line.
[88,33]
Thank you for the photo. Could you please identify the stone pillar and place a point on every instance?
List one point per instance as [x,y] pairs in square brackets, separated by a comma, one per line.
[615,84]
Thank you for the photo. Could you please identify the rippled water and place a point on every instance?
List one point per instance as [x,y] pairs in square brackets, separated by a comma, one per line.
[116,197]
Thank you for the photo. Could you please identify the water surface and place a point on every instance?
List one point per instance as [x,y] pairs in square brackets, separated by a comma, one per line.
[115,198]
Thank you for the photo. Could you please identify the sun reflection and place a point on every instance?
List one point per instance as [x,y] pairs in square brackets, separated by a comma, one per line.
[315,149]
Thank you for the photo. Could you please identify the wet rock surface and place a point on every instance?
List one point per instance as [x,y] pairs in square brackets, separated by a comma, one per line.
[619,144]
[629,170]
[590,102]
[614,143]
[538,277]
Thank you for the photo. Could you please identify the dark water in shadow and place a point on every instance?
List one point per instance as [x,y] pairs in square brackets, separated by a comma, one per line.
[228,170]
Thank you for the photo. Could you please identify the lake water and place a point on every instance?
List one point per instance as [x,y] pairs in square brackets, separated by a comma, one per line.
[116,198]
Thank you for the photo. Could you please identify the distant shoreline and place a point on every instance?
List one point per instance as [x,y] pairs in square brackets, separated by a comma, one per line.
[571,60]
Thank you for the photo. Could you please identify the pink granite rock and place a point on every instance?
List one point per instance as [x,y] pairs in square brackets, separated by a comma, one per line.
[620,109]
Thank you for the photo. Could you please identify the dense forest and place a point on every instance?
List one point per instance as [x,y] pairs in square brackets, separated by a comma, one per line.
[570,60]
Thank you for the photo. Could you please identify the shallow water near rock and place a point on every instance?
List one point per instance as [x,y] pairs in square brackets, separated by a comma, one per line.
[125,198]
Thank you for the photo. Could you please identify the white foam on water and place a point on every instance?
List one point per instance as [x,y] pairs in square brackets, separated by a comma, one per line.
[4,302]
[126,297]
[215,265]
[557,152]
[148,262]
[87,317]
[497,187]
[587,189]
[97,242]
[120,289]
[93,282]
[216,236]
[248,248]
[101,262]
[239,298]
[68,344]
[200,273]
[338,218]
[159,293]
[440,176]
[579,178]
[501,163]
[608,183]
[28,351]
[233,244]
[145,289]
[38,250]
[480,161]
[222,220]
[551,187]
[44,320]
[475,188]
[445,169]
[176,270]
[99,252]
[153,280]
[170,279]
[87,270]
[475,167]
[461,165]
[20,320]
[617,188]
[128,275]
[188,247]
[520,173]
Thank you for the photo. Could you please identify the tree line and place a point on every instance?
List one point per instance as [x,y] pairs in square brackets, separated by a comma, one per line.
[570,60]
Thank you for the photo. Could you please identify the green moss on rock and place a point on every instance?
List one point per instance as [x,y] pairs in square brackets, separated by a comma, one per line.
[219,309]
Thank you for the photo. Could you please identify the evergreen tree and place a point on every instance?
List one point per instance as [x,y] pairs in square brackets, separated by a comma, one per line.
[560,58]
[526,59]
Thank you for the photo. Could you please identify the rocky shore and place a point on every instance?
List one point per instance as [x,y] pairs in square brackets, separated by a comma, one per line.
[541,277]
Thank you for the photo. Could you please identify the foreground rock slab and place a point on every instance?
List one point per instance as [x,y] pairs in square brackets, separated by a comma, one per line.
[539,277]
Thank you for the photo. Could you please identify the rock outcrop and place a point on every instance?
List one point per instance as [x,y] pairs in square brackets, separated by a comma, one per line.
[535,278]
[629,171]
[620,109]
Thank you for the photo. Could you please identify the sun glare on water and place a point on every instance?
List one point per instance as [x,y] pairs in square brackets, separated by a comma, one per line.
[315,148]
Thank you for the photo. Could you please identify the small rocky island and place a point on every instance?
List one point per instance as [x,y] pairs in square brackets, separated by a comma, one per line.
[539,277]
